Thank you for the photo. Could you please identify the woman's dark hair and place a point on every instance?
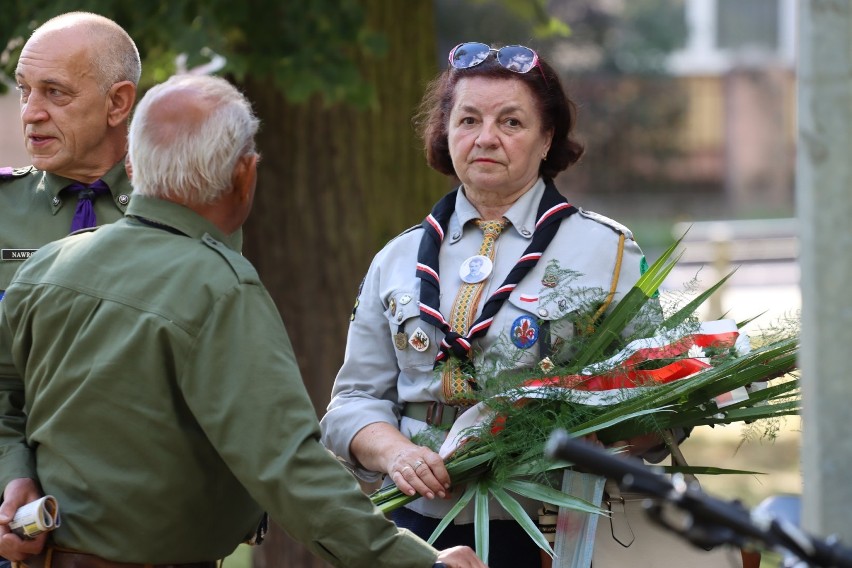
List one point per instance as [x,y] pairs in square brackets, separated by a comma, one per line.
[557,113]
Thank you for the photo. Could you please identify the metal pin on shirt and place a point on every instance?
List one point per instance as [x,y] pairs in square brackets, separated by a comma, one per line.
[400,340]
[419,340]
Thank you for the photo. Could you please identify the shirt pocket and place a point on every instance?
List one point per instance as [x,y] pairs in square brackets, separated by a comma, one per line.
[556,318]
[415,341]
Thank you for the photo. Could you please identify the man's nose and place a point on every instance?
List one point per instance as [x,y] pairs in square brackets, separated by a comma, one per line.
[33,109]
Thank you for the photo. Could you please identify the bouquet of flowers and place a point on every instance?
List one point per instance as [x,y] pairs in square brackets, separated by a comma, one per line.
[669,372]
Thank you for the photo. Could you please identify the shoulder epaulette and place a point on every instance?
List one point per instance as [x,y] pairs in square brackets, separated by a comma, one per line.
[12,173]
[405,232]
[408,230]
[242,268]
[603,220]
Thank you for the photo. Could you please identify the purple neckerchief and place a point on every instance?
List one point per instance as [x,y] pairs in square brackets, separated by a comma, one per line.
[84,215]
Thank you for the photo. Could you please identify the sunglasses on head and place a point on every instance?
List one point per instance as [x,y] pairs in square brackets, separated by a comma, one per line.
[517,58]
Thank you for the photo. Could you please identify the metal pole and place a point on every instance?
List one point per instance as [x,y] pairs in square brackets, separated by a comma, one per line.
[824,201]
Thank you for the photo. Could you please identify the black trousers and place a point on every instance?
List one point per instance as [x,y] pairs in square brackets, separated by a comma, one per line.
[509,545]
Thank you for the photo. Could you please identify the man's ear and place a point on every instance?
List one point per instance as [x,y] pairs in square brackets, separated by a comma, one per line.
[120,98]
[245,176]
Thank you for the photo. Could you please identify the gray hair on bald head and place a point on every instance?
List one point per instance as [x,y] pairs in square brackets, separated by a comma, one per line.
[191,161]
[115,57]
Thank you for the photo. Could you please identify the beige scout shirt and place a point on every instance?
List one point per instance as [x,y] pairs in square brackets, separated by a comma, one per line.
[377,379]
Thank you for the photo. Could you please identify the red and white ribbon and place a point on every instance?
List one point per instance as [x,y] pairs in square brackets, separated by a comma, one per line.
[617,379]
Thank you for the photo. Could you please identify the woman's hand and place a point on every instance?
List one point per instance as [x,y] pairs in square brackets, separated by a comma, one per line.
[419,469]
[414,469]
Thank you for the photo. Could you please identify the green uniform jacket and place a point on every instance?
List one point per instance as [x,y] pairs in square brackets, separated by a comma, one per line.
[33,212]
[150,378]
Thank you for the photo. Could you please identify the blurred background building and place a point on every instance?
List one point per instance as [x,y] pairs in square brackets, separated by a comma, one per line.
[738,71]
[12,151]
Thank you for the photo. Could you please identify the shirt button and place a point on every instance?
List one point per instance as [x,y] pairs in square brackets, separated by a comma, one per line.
[542,312]
[456,236]
[525,232]
[56,202]
[399,316]
[124,199]
[404,299]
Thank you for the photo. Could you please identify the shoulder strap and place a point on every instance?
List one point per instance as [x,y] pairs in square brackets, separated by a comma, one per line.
[606,221]
[12,173]
[242,268]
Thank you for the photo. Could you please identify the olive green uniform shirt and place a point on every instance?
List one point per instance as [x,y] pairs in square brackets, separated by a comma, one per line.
[34,211]
[150,386]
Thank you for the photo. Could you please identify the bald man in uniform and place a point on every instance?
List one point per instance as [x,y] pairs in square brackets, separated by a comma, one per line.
[77,78]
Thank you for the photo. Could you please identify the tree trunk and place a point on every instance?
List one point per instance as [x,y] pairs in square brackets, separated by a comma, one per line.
[336,183]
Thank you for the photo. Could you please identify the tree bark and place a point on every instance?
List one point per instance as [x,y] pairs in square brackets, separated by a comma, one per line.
[335,183]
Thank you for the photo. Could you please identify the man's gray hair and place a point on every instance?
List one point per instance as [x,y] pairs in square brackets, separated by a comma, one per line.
[115,55]
[191,163]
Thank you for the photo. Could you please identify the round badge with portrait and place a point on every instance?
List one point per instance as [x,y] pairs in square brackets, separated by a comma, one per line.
[475,269]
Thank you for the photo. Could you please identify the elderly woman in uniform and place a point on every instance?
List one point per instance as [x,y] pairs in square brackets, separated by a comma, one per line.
[498,121]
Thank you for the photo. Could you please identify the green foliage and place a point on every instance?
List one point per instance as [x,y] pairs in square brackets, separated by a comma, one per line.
[304,47]
[496,22]
[536,14]
[658,28]
[621,37]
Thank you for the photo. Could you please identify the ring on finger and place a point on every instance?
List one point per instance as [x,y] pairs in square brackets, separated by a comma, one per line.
[418,463]
[406,467]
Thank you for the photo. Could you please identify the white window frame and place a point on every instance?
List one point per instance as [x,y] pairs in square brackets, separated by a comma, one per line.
[702,56]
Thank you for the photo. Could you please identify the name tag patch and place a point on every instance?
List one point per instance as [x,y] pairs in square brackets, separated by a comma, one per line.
[16,254]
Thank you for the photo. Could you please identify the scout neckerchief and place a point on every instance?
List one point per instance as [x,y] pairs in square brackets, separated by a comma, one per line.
[84,215]
[552,208]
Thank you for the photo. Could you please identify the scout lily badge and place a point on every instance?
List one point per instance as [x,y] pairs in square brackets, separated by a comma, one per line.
[524,332]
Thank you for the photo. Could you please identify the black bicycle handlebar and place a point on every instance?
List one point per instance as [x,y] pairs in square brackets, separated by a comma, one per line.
[688,511]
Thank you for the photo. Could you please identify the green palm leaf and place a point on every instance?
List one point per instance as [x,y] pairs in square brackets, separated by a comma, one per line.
[610,419]
[526,469]
[480,520]
[547,494]
[468,494]
[689,309]
[609,330]
[701,470]
[522,518]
